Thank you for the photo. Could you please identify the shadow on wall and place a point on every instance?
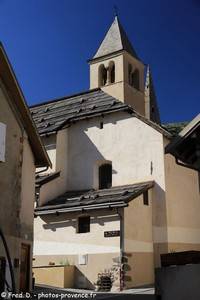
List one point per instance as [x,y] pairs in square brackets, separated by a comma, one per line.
[160,230]
[54,222]
[84,155]
[81,281]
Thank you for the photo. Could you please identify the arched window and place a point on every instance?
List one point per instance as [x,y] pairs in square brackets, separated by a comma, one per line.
[111,72]
[105,176]
[135,79]
[102,75]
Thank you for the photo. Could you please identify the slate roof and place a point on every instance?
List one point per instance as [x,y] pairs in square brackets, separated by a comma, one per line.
[42,179]
[51,116]
[115,40]
[186,146]
[72,201]
[174,128]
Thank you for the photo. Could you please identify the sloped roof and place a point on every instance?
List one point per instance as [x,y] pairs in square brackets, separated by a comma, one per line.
[41,179]
[52,116]
[115,40]
[18,101]
[186,145]
[174,128]
[72,201]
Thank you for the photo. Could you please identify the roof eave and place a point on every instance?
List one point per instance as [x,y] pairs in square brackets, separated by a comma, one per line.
[10,81]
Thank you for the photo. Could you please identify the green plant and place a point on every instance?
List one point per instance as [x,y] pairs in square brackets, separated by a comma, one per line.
[64,262]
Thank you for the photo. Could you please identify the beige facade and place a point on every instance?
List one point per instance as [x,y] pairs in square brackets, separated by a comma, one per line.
[17,179]
[137,155]
[17,176]
[138,243]
[68,246]
[182,196]
[134,145]
[57,276]
[121,88]
[79,150]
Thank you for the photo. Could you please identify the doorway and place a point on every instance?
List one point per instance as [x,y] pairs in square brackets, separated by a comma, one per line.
[25,268]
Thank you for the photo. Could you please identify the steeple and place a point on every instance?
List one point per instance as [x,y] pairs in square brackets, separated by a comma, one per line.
[114,41]
[117,70]
[151,106]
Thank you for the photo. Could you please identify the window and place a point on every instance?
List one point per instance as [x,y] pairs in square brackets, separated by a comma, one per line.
[112,72]
[83,224]
[133,77]
[146,198]
[102,75]
[105,176]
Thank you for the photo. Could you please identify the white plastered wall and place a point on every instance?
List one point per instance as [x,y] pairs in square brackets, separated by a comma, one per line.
[134,148]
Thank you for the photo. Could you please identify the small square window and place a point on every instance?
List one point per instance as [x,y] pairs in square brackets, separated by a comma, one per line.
[146,198]
[83,224]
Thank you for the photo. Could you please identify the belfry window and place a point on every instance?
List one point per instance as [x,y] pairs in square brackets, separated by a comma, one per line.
[105,176]
[133,77]
[102,75]
[112,72]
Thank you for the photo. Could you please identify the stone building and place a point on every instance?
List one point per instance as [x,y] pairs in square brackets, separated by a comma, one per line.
[21,151]
[113,200]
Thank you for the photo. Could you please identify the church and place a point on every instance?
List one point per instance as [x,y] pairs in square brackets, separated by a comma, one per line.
[113,201]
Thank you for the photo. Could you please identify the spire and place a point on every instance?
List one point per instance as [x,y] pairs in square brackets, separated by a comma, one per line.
[151,106]
[115,40]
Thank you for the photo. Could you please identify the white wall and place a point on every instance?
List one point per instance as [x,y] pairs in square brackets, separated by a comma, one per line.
[132,146]
[67,242]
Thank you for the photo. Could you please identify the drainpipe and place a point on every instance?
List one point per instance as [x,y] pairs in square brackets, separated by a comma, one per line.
[121,251]
[9,260]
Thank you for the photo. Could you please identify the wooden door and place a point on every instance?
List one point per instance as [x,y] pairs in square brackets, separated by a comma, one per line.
[25,268]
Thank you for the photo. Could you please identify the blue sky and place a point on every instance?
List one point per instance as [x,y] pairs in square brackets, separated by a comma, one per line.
[49,41]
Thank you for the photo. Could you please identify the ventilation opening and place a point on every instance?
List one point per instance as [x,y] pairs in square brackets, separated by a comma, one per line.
[105,176]
[83,224]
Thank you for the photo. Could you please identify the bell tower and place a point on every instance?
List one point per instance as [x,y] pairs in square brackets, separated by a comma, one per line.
[117,70]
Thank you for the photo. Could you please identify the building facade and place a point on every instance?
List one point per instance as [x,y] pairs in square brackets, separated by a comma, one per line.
[21,151]
[113,201]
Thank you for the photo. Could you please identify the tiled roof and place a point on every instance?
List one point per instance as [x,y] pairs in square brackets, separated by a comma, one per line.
[174,128]
[115,40]
[94,199]
[53,115]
